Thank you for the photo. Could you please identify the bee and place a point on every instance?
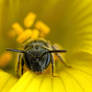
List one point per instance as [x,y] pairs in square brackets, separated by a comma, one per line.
[37,56]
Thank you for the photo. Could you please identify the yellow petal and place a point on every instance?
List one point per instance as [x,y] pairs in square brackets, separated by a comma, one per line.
[81,71]
[6,81]
[77,79]
[36,83]
[77,26]
[29,20]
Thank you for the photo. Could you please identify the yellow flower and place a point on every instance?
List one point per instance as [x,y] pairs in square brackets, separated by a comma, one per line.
[70,24]
[75,79]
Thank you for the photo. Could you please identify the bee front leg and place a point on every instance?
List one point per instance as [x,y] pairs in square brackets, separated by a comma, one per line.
[18,65]
[22,65]
[52,63]
[56,47]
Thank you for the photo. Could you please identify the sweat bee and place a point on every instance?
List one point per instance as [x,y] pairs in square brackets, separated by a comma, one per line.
[37,55]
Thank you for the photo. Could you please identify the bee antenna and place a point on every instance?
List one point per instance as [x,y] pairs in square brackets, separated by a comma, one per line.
[54,51]
[15,50]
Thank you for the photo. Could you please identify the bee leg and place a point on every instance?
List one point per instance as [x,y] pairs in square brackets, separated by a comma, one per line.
[22,64]
[52,62]
[18,65]
[55,47]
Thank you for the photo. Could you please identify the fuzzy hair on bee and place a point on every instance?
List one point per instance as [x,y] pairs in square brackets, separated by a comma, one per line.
[37,56]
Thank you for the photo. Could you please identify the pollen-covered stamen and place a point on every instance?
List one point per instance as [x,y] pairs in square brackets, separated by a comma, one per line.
[24,36]
[35,34]
[44,29]
[40,29]
[17,28]
[5,58]
[29,20]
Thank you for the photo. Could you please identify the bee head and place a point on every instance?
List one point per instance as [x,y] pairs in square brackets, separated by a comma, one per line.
[34,59]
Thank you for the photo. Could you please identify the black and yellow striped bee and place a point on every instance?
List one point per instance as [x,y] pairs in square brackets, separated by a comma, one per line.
[37,55]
